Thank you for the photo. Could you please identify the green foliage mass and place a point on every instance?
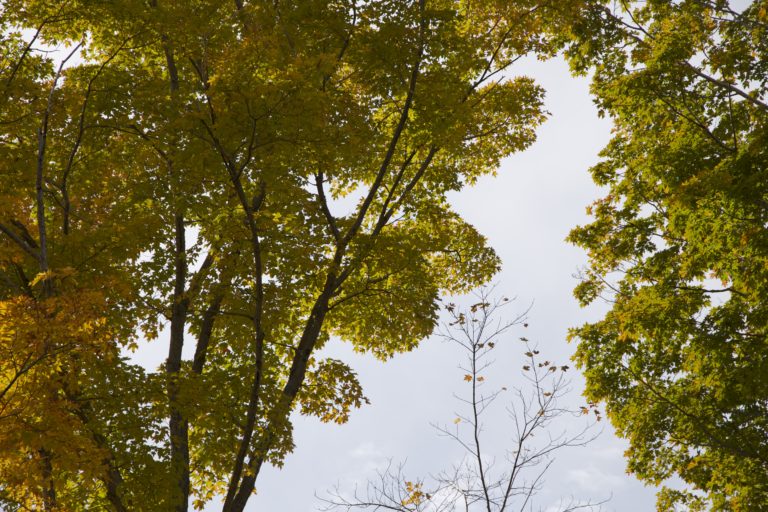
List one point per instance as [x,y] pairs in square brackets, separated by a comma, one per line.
[679,245]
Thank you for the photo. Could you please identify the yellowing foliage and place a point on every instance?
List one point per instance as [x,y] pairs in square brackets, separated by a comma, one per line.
[244,178]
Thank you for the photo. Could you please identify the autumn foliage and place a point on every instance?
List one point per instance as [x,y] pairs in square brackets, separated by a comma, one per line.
[231,183]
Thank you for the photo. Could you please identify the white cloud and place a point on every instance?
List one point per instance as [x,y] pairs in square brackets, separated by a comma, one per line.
[594,479]
[366,451]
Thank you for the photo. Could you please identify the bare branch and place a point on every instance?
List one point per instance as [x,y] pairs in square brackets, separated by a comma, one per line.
[479,481]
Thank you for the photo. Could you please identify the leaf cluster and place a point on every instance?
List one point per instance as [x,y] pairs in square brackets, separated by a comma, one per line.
[678,245]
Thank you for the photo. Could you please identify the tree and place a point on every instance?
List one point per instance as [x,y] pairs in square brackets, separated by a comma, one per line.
[481,481]
[254,176]
[678,245]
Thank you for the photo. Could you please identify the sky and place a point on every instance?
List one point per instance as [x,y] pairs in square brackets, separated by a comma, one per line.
[526,211]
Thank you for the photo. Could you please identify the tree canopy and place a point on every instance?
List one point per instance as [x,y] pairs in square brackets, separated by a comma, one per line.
[238,181]
[679,246]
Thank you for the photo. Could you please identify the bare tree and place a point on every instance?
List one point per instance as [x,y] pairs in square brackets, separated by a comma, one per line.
[480,482]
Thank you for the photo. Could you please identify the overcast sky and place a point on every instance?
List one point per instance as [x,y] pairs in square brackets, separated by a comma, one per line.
[525,211]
